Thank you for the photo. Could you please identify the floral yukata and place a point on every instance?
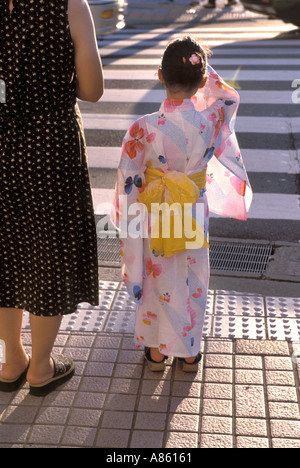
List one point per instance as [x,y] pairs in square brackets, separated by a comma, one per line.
[186,136]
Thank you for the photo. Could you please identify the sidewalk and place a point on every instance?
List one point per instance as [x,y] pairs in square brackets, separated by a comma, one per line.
[143,12]
[246,394]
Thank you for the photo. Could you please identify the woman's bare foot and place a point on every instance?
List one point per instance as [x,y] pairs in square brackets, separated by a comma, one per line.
[40,372]
[14,369]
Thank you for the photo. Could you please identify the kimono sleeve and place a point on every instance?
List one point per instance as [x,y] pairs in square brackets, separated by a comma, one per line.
[127,213]
[228,189]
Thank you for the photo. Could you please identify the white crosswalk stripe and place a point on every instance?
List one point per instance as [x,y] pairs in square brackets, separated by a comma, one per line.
[253,59]
[243,75]
[247,97]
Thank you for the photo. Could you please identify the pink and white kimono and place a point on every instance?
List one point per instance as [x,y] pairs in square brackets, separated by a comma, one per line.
[186,136]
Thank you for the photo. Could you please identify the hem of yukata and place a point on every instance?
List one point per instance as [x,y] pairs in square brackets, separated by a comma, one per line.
[165,352]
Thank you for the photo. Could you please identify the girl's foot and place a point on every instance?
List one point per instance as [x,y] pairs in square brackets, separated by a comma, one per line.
[155,360]
[191,364]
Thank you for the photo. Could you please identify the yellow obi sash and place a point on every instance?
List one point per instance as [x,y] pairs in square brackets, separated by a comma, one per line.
[169,197]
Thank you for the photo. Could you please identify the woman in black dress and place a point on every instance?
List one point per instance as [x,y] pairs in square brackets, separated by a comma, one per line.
[48,246]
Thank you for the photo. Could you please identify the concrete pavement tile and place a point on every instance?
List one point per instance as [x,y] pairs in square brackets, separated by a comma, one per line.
[168,401]
[252,442]
[45,434]
[20,414]
[59,398]
[94,384]
[250,401]
[154,403]
[217,407]
[81,341]
[21,398]
[99,369]
[248,362]
[251,427]
[279,410]
[117,419]
[2,412]
[221,391]
[85,417]
[108,342]
[184,405]
[14,433]
[285,429]
[155,421]
[186,389]
[128,371]
[218,346]
[218,361]
[6,399]
[216,441]
[112,438]
[183,376]
[118,402]
[131,357]
[218,375]
[262,347]
[280,378]
[181,440]
[153,387]
[128,343]
[80,367]
[286,443]
[79,354]
[89,400]
[282,394]
[79,436]
[128,386]
[147,439]
[252,377]
[216,425]
[52,415]
[278,363]
[103,355]
[183,422]
[166,375]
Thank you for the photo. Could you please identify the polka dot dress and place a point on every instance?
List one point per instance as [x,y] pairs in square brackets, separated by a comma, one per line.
[48,243]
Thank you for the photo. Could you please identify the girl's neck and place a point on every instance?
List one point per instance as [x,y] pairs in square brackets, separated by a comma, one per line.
[180,96]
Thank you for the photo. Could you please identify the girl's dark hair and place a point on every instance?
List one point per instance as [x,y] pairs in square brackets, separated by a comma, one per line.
[180,68]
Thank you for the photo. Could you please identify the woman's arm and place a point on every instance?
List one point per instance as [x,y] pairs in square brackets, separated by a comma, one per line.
[90,82]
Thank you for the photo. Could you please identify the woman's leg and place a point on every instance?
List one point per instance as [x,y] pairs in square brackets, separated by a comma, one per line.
[44,331]
[10,333]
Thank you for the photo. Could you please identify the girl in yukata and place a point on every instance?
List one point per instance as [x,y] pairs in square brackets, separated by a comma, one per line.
[177,165]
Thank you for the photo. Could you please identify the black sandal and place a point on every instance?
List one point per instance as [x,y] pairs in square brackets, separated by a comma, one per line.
[154,366]
[64,369]
[8,386]
[191,367]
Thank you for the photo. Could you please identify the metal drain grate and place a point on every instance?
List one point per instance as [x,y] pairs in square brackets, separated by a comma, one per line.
[109,251]
[247,258]
[235,257]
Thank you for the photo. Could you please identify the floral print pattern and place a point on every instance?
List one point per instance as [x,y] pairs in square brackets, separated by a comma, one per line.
[186,136]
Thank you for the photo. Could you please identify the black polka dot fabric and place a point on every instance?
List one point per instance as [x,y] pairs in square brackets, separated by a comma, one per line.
[48,244]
